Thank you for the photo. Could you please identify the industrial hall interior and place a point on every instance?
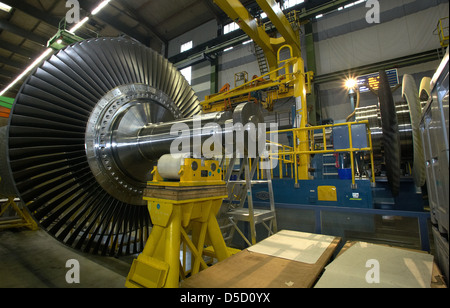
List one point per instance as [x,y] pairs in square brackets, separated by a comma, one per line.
[224,144]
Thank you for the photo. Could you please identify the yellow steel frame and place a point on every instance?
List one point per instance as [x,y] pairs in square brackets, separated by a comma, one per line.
[294,79]
[174,215]
[189,177]
[24,218]
[443,38]
[159,265]
[296,150]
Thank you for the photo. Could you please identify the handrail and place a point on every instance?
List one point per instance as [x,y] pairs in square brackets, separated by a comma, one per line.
[244,88]
[294,151]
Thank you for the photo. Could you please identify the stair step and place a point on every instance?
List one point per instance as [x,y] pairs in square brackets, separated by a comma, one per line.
[258,214]
[251,182]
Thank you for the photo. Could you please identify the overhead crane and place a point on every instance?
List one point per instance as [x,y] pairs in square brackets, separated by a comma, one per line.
[287,77]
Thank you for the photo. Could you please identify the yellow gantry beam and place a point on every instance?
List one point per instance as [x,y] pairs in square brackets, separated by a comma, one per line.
[236,11]
[271,47]
[279,20]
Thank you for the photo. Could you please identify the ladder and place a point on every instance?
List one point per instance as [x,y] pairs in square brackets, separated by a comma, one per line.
[261,58]
[240,191]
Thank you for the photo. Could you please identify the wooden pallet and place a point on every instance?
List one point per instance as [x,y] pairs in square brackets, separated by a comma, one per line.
[184,193]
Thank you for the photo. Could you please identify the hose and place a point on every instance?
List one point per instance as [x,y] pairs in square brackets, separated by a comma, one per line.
[358,98]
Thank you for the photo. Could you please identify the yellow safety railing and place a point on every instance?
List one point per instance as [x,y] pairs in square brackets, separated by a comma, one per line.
[290,155]
[442,31]
[283,157]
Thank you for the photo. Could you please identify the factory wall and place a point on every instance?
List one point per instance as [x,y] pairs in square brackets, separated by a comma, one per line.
[200,35]
[343,40]
[334,101]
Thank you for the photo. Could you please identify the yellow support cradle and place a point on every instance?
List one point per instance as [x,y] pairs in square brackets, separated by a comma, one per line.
[182,216]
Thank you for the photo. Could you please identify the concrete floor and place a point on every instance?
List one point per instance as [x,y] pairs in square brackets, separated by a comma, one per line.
[34,259]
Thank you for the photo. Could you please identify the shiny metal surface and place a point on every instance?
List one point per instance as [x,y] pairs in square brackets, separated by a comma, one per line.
[56,136]
[408,146]
[111,144]
[372,114]
[86,130]
[155,140]
[410,94]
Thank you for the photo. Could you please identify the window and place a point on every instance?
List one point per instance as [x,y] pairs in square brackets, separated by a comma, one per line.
[230,27]
[187,73]
[186,46]
[344,7]
[291,3]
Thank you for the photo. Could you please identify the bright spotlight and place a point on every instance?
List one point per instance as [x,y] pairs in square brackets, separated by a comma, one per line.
[351,83]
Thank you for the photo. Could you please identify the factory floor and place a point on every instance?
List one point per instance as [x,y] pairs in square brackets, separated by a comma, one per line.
[34,259]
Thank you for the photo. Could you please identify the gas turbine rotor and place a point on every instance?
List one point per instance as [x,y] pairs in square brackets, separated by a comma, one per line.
[65,151]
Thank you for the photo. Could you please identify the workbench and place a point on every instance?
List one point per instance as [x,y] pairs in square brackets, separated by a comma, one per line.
[249,269]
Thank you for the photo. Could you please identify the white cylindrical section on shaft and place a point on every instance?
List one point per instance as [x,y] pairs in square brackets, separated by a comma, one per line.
[169,166]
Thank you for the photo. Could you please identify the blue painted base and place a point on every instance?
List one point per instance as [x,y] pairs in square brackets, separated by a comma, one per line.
[306,193]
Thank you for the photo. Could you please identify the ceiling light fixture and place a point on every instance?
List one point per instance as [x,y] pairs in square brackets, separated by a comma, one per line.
[48,51]
[28,69]
[100,7]
[78,25]
[5,7]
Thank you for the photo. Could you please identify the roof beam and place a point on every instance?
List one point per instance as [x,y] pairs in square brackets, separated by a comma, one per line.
[12,63]
[16,49]
[149,27]
[33,12]
[5,75]
[7,26]
[113,21]
[215,11]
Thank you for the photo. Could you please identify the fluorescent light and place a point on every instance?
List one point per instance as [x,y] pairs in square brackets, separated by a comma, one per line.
[5,7]
[100,7]
[247,42]
[79,25]
[319,16]
[29,68]
[227,49]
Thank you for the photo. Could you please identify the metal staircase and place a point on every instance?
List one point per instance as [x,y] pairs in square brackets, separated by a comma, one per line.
[262,60]
[239,195]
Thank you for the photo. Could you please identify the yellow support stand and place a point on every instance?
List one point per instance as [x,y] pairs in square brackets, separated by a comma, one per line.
[24,218]
[176,211]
